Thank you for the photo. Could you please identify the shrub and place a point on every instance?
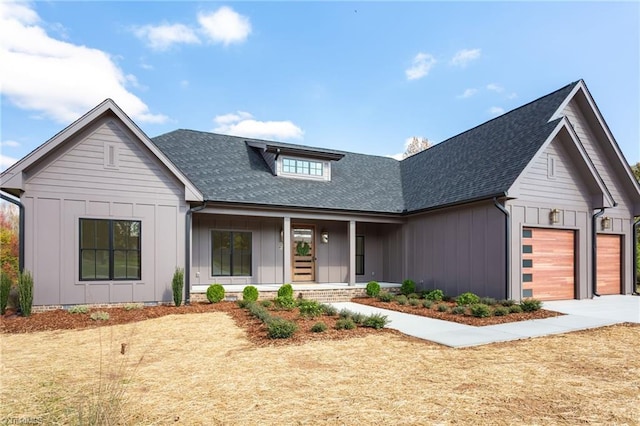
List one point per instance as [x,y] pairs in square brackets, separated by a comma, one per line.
[280,328]
[489,301]
[25,292]
[408,287]
[250,293]
[286,290]
[99,316]
[413,296]
[459,310]
[358,318]
[267,303]
[376,321]
[177,285]
[329,310]
[373,288]
[402,299]
[435,295]
[285,303]
[467,298]
[5,288]
[427,303]
[78,309]
[319,327]
[385,296]
[345,313]
[500,311]
[345,324]
[243,304]
[480,310]
[507,302]
[215,293]
[414,302]
[310,308]
[132,306]
[530,305]
[259,311]
[442,308]
[515,309]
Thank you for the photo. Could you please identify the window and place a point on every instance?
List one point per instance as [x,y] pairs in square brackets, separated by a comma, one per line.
[302,167]
[527,263]
[231,253]
[110,249]
[359,254]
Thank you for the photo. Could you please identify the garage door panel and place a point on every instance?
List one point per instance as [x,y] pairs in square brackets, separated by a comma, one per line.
[609,264]
[551,253]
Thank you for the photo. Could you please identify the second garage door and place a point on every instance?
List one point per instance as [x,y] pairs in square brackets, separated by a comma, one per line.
[609,264]
[548,264]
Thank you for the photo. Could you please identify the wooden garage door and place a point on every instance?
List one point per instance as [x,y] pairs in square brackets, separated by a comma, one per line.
[548,264]
[609,264]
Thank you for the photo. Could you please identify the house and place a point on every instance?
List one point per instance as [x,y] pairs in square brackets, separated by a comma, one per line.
[538,202]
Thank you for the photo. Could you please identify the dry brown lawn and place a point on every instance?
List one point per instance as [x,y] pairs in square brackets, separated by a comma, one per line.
[201,369]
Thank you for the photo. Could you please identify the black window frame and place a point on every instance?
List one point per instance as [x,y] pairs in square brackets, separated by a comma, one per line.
[111,249]
[232,254]
[360,266]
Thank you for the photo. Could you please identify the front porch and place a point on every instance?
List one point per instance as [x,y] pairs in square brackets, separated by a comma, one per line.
[321,292]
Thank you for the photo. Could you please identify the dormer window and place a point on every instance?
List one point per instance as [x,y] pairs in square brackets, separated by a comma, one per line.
[301,167]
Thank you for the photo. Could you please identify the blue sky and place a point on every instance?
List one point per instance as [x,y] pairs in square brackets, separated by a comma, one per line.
[360,77]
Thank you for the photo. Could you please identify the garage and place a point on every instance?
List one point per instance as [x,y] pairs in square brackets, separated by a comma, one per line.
[609,264]
[548,264]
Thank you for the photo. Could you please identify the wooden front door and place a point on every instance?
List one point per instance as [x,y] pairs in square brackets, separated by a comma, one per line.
[303,253]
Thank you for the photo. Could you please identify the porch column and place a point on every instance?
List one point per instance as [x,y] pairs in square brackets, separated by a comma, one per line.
[286,249]
[352,252]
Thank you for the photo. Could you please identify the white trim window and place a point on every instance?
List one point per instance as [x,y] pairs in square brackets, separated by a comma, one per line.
[303,168]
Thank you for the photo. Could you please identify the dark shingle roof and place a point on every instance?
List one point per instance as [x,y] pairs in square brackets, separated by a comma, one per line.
[479,163]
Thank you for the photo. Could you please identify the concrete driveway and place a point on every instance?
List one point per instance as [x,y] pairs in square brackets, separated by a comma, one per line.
[618,307]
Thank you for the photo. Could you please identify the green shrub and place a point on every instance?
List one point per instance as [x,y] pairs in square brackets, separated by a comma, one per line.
[408,287]
[358,318]
[266,303]
[345,324]
[413,296]
[78,309]
[402,299]
[507,302]
[459,310]
[435,295]
[250,293]
[345,313]
[25,292]
[243,304]
[285,303]
[376,321]
[280,328]
[442,308]
[329,310]
[5,289]
[99,316]
[373,288]
[177,285]
[515,309]
[427,303]
[259,312]
[132,306]
[530,305]
[215,293]
[414,302]
[286,290]
[319,327]
[447,298]
[480,310]
[466,299]
[489,301]
[500,311]
[385,296]
[310,308]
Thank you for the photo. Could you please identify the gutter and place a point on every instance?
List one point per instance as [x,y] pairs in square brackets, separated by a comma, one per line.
[507,247]
[20,230]
[594,250]
[635,257]
[187,251]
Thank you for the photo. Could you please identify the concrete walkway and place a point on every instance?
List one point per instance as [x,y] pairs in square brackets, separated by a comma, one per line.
[581,315]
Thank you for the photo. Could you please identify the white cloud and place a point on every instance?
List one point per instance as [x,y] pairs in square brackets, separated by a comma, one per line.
[464,56]
[468,93]
[6,162]
[225,26]
[56,78]
[495,87]
[512,95]
[420,66]
[162,37]
[10,143]
[242,123]
[496,110]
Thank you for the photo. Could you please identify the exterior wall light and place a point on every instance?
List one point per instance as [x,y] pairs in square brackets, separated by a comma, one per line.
[324,236]
[606,222]
[554,216]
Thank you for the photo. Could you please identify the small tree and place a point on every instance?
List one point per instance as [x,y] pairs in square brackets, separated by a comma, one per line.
[415,145]
[25,293]
[177,285]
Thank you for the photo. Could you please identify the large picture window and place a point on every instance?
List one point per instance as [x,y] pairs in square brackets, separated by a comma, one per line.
[110,249]
[231,253]
[359,254]
[302,167]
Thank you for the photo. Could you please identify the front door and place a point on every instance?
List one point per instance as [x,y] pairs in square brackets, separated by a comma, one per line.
[303,253]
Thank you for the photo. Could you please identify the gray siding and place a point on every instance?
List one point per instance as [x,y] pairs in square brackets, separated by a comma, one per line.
[74,183]
[458,250]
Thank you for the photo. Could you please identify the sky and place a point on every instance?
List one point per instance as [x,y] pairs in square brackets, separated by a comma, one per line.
[362,77]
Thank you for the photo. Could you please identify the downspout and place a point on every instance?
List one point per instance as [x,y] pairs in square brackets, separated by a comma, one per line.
[187,251]
[635,257]
[507,247]
[594,250]
[20,230]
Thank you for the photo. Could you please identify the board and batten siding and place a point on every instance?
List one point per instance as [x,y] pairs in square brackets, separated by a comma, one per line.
[76,181]
[458,250]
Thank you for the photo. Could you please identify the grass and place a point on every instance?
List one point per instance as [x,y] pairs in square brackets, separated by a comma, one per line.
[185,378]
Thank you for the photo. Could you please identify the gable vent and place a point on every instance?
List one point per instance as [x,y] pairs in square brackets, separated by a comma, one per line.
[110,156]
